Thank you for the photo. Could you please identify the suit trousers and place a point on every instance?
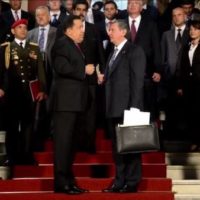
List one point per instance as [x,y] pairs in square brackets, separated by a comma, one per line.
[128,166]
[87,128]
[64,147]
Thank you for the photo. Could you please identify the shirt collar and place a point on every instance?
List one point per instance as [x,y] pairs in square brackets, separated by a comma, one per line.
[120,46]
[55,13]
[144,6]
[18,11]
[19,41]
[108,20]
[137,19]
[45,27]
[182,28]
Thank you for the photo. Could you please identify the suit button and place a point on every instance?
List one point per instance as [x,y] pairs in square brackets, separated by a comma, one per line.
[23,81]
[21,67]
[190,73]
[22,74]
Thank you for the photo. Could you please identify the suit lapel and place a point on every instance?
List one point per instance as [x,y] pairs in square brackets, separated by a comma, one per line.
[196,55]
[172,39]
[49,39]
[117,59]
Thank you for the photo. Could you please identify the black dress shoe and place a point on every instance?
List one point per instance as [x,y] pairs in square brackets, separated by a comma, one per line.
[128,189]
[68,190]
[113,188]
[75,187]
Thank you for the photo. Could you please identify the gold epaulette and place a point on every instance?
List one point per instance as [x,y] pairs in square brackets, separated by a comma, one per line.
[5,44]
[33,43]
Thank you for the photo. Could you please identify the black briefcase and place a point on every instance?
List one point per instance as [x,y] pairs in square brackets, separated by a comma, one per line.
[134,139]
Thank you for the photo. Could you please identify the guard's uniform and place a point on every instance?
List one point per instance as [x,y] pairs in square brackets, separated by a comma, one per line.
[19,66]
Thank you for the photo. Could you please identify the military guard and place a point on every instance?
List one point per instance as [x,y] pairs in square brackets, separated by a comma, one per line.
[20,64]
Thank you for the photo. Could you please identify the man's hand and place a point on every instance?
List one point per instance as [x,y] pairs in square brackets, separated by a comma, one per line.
[2,93]
[41,96]
[156,77]
[89,69]
[100,78]
[180,92]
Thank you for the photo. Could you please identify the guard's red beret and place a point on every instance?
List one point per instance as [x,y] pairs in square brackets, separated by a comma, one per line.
[18,22]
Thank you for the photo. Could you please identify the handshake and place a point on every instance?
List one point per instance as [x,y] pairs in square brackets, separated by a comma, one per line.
[89,69]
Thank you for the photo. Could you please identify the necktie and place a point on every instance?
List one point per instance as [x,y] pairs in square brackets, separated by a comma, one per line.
[41,40]
[16,16]
[79,48]
[133,31]
[112,58]
[54,21]
[21,45]
[178,39]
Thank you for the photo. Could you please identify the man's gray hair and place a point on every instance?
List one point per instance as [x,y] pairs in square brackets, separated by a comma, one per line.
[43,8]
[123,26]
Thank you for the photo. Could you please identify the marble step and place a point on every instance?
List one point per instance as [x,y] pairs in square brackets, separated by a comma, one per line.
[187,197]
[186,187]
[2,136]
[182,158]
[4,172]
[181,172]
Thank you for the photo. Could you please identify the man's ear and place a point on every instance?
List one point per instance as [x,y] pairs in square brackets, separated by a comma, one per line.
[13,31]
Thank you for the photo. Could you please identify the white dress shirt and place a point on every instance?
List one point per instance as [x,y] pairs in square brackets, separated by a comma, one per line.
[191,52]
[55,13]
[20,41]
[18,13]
[181,32]
[137,21]
[46,32]
[120,46]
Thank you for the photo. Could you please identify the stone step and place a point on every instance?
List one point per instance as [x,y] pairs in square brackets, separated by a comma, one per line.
[187,197]
[182,158]
[186,187]
[2,136]
[180,172]
[4,172]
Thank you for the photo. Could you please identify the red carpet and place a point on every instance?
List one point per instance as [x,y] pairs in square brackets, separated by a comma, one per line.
[93,172]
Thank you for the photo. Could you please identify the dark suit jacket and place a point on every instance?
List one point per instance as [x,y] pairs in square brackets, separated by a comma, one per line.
[170,52]
[8,19]
[69,88]
[4,6]
[186,68]
[98,16]
[61,19]
[124,82]
[93,49]
[148,38]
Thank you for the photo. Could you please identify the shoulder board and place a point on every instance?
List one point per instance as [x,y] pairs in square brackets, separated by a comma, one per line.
[33,43]
[5,44]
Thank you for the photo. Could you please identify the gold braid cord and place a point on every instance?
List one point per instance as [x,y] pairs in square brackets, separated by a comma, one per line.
[7,56]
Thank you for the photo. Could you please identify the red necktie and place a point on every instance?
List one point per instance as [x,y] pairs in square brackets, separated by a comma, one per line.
[133,31]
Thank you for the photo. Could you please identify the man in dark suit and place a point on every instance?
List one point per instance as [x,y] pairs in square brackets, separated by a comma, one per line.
[69,98]
[171,44]
[57,14]
[4,6]
[21,62]
[14,14]
[144,32]
[110,13]
[124,79]
[94,55]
